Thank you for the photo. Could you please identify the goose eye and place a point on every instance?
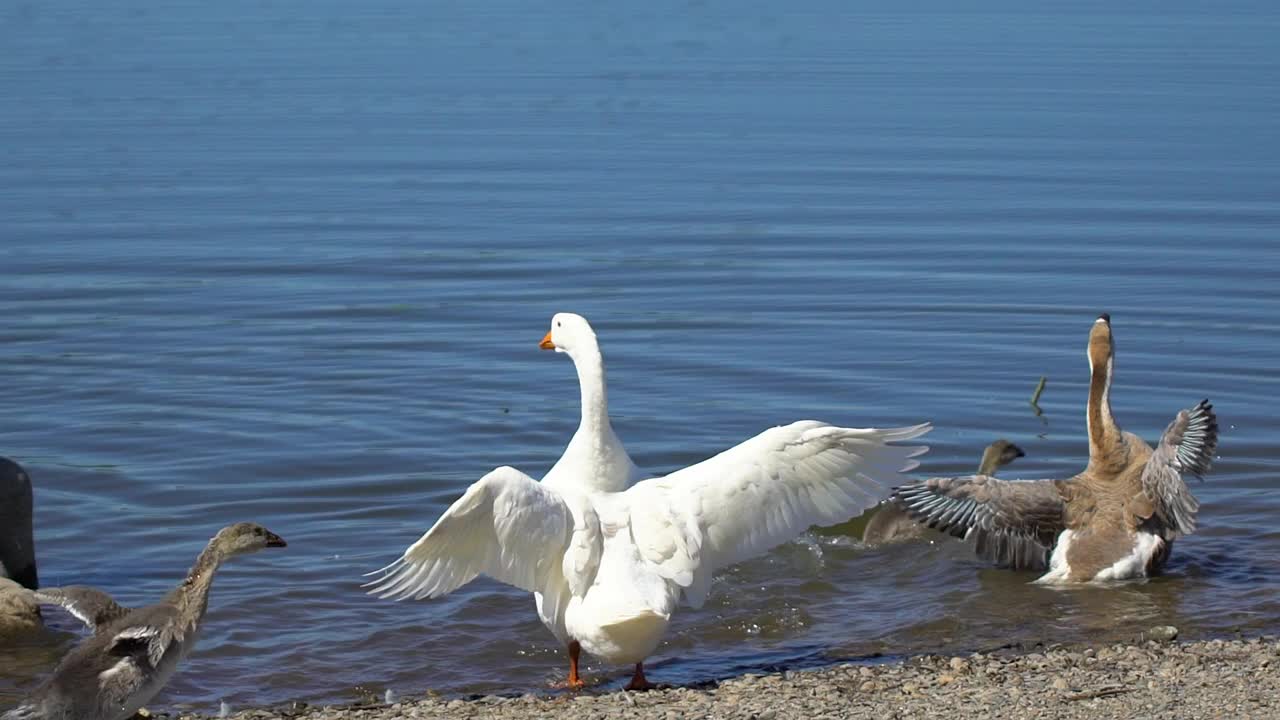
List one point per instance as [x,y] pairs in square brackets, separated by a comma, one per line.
[558,323]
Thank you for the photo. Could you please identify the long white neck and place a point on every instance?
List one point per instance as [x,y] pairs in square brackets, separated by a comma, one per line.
[595,398]
[595,458]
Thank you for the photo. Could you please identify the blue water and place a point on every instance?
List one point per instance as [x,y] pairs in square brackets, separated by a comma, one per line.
[289,262]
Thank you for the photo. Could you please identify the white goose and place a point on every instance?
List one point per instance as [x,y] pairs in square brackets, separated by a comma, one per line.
[614,561]
[594,459]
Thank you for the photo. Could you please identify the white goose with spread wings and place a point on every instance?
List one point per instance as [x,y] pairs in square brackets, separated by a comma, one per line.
[1115,520]
[617,563]
[594,458]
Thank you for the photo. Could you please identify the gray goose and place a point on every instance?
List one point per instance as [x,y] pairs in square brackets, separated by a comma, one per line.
[1115,520]
[130,657]
[890,523]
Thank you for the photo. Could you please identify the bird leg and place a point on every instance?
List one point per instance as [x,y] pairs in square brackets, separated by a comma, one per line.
[638,681]
[575,681]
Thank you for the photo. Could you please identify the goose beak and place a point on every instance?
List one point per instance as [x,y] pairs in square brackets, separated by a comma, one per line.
[274,540]
[546,343]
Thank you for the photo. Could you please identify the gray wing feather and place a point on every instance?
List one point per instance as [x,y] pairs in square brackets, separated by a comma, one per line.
[1014,523]
[90,606]
[1187,446]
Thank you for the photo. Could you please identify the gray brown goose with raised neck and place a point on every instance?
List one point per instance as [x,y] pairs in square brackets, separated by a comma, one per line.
[1115,520]
[119,668]
[890,523]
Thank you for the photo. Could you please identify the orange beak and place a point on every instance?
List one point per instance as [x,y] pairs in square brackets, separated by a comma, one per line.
[546,343]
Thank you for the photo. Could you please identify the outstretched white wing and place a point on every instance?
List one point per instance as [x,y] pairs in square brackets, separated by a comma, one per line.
[507,526]
[762,493]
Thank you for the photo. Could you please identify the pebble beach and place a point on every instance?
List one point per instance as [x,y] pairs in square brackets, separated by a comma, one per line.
[1146,679]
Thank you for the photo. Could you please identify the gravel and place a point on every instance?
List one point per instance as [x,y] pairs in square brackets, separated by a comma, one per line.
[1150,679]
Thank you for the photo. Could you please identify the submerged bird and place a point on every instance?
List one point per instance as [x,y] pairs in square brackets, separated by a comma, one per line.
[1115,520]
[127,660]
[594,457]
[17,543]
[20,595]
[613,561]
[890,523]
[19,610]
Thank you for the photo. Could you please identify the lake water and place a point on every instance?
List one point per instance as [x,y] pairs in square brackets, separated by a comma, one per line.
[290,262]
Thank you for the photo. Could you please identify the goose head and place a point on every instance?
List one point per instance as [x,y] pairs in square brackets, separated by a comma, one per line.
[1101,348]
[570,334]
[997,455]
[17,546]
[244,538]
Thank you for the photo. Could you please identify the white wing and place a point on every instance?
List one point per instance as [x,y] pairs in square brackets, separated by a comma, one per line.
[507,526]
[762,493]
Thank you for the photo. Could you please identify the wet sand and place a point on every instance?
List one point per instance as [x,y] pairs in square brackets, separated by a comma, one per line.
[1146,679]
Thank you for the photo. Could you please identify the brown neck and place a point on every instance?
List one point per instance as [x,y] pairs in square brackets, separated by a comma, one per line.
[990,461]
[1104,434]
[193,594]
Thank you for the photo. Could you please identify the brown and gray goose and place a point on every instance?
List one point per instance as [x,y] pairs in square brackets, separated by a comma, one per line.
[890,523]
[1116,520]
[130,657]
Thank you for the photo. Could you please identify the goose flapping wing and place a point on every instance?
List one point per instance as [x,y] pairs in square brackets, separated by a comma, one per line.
[760,494]
[1014,522]
[146,634]
[507,526]
[1187,446]
[90,606]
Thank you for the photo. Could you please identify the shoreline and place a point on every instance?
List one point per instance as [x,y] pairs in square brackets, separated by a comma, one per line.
[1238,678]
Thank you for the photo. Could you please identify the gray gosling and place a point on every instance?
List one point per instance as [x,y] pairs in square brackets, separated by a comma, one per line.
[133,653]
